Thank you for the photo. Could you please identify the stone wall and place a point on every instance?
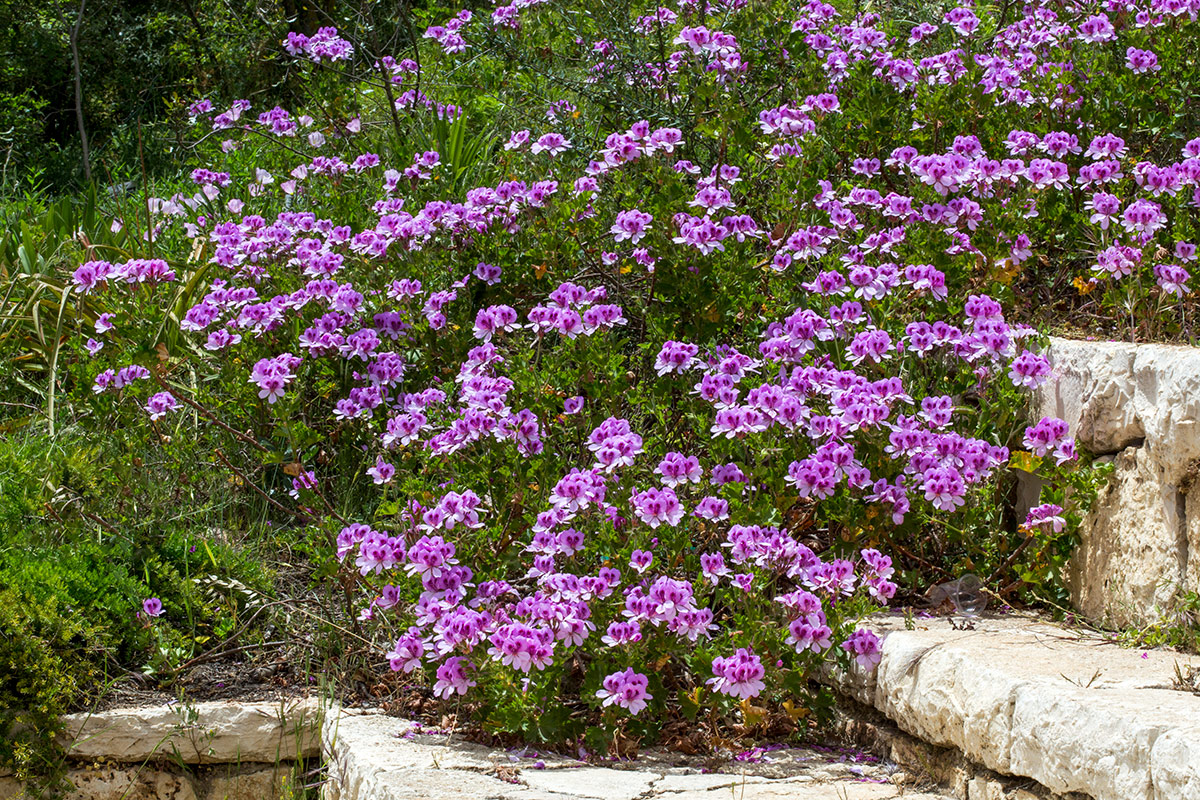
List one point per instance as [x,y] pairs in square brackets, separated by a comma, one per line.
[201,751]
[1137,405]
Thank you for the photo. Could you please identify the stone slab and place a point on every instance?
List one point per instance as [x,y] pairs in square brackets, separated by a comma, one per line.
[1067,708]
[217,732]
[375,757]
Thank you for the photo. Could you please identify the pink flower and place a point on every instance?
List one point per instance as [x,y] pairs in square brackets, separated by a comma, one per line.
[382,472]
[551,143]
[864,646]
[1046,517]
[631,226]
[627,689]
[656,507]
[161,404]
[152,607]
[740,675]
[640,560]
[1140,61]
[452,678]
[104,323]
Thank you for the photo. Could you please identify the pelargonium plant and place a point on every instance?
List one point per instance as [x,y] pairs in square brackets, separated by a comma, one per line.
[631,398]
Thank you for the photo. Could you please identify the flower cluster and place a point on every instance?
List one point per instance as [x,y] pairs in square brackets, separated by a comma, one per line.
[604,393]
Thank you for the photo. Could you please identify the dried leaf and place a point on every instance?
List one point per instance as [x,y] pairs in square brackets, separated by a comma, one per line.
[1024,460]
[795,712]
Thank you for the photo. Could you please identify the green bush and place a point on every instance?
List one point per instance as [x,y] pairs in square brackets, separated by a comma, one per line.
[41,676]
[69,620]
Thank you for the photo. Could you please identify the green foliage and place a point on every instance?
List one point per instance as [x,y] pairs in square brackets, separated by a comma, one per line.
[72,591]
[1178,627]
[41,677]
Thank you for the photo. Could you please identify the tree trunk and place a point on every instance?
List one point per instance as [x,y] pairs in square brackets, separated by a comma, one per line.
[83,139]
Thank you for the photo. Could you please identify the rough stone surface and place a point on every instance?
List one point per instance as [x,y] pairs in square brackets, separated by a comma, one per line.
[113,783]
[204,733]
[1130,559]
[374,757]
[129,784]
[1139,404]
[247,782]
[1072,711]
[148,782]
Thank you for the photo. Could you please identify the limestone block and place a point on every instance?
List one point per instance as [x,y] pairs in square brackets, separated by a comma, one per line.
[947,698]
[1175,764]
[1070,710]
[1142,404]
[203,733]
[1094,393]
[129,783]
[592,782]
[246,783]
[374,757]
[982,788]
[1069,742]
[1133,545]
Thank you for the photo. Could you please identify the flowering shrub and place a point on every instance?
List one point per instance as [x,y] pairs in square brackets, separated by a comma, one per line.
[601,411]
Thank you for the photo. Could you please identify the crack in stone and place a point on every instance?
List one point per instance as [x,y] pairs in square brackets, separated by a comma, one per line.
[649,793]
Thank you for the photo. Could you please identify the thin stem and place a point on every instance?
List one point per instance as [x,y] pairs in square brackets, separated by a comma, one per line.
[211,417]
[299,515]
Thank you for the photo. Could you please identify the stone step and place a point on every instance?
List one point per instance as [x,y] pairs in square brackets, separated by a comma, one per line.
[375,757]
[1029,707]
[211,732]
[1066,708]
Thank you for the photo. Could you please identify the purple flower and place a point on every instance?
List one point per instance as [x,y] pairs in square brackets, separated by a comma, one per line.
[1048,435]
[1140,61]
[161,404]
[864,646]
[1172,279]
[382,472]
[104,323]
[551,143]
[452,678]
[810,632]
[656,507]
[573,405]
[1046,517]
[627,689]
[631,226]
[620,633]
[273,375]
[740,675]
[712,508]
[677,469]
[1030,370]
[675,357]
[152,607]
[91,274]
[407,654]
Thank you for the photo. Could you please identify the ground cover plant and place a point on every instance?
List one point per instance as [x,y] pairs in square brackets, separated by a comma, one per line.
[615,363]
